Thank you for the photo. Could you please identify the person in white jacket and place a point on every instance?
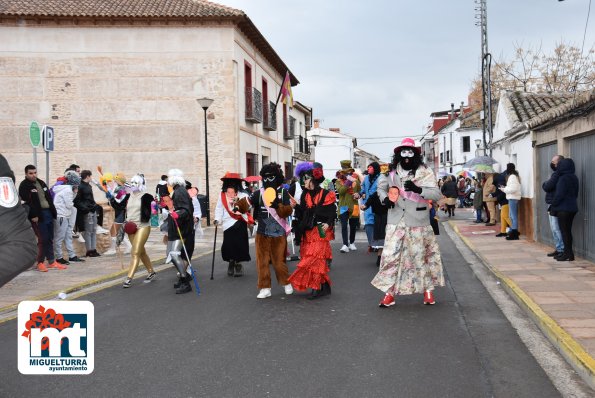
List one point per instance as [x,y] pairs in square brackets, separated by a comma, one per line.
[231,214]
[513,195]
[63,201]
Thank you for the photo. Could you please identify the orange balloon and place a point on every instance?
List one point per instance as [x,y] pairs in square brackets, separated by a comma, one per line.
[269,195]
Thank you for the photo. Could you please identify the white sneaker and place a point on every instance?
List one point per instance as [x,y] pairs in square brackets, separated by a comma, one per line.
[101,230]
[352,247]
[288,288]
[110,252]
[80,238]
[264,293]
[344,249]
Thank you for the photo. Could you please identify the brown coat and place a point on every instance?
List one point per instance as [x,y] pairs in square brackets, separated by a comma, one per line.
[489,188]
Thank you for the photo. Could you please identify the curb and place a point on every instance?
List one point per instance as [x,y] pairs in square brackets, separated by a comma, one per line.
[570,349]
[113,277]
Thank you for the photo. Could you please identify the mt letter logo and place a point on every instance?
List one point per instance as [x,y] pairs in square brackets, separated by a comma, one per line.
[56,337]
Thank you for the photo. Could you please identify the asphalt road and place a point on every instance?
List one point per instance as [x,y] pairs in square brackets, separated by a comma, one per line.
[152,343]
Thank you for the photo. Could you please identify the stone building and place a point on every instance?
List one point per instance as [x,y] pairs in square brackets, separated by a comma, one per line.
[119,81]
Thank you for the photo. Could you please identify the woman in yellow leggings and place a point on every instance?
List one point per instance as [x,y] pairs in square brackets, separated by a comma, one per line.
[138,227]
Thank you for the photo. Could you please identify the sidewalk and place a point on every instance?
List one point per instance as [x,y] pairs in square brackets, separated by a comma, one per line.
[558,295]
[35,285]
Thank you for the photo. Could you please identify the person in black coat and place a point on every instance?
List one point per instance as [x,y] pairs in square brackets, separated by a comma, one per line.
[17,239]
[87,208]
[564,205]
[505,222]
[549,187]
[449,189]
[42,213]
[180,222]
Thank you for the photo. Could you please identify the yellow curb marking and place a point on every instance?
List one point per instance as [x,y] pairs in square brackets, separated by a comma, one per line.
[570,346]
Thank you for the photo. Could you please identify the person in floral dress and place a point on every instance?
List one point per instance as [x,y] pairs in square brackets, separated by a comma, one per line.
[411,261]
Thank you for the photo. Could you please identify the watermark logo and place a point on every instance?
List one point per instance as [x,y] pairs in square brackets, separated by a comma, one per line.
[56,337]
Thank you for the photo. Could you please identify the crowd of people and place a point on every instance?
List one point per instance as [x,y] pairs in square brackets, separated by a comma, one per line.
[399,202]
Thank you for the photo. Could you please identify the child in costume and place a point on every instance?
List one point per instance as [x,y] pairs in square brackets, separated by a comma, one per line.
[271,234]
[115,192]
[231,214]
[138,227]
[316,214]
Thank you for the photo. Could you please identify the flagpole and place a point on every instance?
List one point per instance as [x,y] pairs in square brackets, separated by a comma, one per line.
[281,89]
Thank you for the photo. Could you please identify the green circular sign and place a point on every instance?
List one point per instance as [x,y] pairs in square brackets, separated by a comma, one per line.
[34,134]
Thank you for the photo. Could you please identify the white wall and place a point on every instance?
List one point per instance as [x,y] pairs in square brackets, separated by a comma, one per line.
[521,154]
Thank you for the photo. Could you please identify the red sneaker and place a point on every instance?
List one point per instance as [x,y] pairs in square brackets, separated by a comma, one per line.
[387,301]
[429,298]
[41,267]
[57,265]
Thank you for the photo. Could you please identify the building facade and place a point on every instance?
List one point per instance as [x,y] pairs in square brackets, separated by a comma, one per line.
[119,85]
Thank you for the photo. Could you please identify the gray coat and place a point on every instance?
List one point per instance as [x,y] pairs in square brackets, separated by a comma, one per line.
[415,214]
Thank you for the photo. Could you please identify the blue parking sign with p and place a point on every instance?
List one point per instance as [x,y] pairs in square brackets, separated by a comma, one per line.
[48,138]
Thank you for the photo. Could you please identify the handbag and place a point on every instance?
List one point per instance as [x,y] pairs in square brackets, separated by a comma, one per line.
[130,227]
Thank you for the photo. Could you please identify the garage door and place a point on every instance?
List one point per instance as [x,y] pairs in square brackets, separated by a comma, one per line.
[542,228]
[583,228]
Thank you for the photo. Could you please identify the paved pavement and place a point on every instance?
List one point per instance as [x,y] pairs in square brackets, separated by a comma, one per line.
[560,296]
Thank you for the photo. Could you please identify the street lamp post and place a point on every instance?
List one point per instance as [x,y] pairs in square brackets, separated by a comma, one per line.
[204,104]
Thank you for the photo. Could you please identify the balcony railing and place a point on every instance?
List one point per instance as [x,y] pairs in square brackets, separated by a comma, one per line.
[291,131]
[270,123]
[253,105]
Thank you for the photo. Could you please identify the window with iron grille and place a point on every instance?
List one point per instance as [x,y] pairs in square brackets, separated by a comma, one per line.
[253,105]
[270,123]
[291,131]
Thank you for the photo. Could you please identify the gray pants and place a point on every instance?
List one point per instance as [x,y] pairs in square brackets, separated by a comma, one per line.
[63,233]
[90,231]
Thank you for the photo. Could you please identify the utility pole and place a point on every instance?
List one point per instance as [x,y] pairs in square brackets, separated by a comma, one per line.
[486,86]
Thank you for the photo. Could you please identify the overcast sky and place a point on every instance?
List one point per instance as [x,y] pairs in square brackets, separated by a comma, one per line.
[378,68]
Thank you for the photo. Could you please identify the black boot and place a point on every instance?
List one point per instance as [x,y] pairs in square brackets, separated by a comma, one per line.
[326,289]
[513,235]
[182,280]
[230,268]
[315,294]
[565,257]
[238,270]
[378,261]
[184,288]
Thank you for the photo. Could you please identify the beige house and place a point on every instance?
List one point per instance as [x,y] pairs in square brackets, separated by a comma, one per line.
[119,81]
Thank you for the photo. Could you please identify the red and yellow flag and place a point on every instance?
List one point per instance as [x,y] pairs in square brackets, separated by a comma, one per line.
[286,94]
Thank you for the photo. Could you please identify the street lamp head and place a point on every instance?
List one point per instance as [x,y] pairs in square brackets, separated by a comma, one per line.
[204,102]
[478,142]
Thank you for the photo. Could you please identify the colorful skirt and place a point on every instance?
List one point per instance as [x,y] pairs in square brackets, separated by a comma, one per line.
[312,270]
[410,262]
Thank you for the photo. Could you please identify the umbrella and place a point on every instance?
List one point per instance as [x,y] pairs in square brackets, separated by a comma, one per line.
[466,173]
[482,168]
[484,160]
[252,178]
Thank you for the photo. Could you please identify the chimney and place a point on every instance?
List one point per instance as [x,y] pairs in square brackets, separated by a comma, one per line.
[316,123]
[335,129]
[452,111]
[462,111]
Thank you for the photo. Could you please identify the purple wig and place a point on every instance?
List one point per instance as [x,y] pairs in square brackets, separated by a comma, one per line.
[302,168]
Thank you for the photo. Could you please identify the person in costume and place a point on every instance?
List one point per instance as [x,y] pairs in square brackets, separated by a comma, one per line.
[18,248]
[410,261]
[369,187]
[347,187]
[315,229]
[64,203]
[180,222]
[231,214]
[272,230]
[117,196]
[138,227]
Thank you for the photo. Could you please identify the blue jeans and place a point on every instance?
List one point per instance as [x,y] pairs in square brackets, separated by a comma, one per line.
[44,229]
[478,217]
[352,222]
[557,234]
[513,212]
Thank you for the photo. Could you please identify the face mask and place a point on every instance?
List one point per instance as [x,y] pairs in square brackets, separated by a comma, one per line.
[407,153]
[553,166]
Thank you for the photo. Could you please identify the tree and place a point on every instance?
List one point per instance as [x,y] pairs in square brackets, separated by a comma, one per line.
[565,70]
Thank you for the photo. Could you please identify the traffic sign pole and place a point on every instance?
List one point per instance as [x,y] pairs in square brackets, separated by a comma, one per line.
[35,138]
